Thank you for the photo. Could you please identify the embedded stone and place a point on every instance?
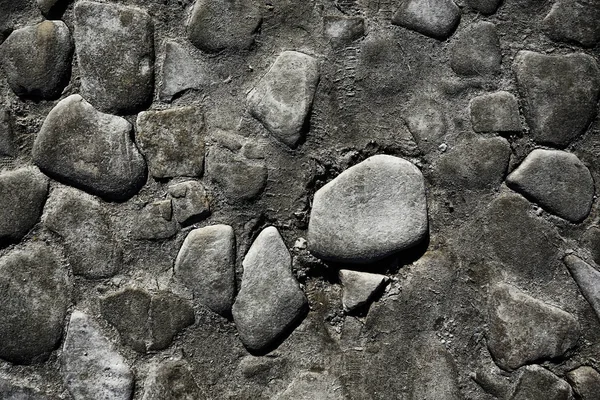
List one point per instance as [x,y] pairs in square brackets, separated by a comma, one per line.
[560,94]
[14,392]
[359,288]
[574,21]
[312,385]
[343,28]
[115,51]
[587,278]
[585,382]
[90,150]
[270,301]
[37,59]
[283,97]
[171,380]
[182,71]
[537,383]
[486,7]
[190,202]
[7,143]
[155,221]
[434,18]
[495,112]
[370,211]
[426,122]
[476,50]
[9,9]
[558,181]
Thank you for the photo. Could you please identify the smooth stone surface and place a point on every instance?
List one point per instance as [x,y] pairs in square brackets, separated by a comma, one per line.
[587,278]
[190,202]
[574,21]
[359,287]
[426,121]
[270,301]
[538,383]
[23,193]
[172,380]
[560,94]
[7,140]
[90,150]
[558,181]
[206,265]
[9,391]
[156,221]
[33,303]
[115,50]
[283,97]
[311,386]
[182,71]
[435,18]
[341,29]
[172,141]
[485,7]
[523,330]
[370,211]
[91,366]
[476,51]
[495,112]
[585,382]
[37,59]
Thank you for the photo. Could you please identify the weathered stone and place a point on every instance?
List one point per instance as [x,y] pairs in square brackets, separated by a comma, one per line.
[343,28]
[87,231]
[426,122]
[283,97]
[585,381]
[538,383]
[37,59]
[91,367]
[115,50]
[495,112]
[368,212]
[574,21]
[270,302]
[172,141]
[587,278]
[523,329]
[215,25]
[7,144]
[590,240]
[206,265]
[485,7]
[172,380]
[560,94]
[9,9]
[155,221]
[190,202]
[23,193]
[476,50]
[9,391]
[182,71]
[90,150]
[33,303]
[435,18]
[359,288]
[558,181]
[312,385]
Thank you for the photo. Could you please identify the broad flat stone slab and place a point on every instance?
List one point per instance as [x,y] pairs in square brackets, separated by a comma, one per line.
[524,330]
[476,51]
[574,21]
[91,366]
[485,7]
[495,112]
[585,382]
[434,18]
[370,211]
[90,150]
[538,383]
[283,97]
[270,301]
[359,287]
[558,181]
[182,71]
[560,94]
[172,380]
[587,278]
[190,202]
[115,50]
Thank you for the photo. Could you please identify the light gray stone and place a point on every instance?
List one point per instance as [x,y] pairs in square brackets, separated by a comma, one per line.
[90,150]
[155,221]
[312,385]
[283,97]
[495,112]
[370,211]
[182,71]
[476,51]
[537,383]
[9,391]
[574,21]
[359,287]
[585,381]
[7,140]
[270,301]
[485,7]
[435,18]
[340,29]
[587,278]
[172,380]
[558,181]
[190,202]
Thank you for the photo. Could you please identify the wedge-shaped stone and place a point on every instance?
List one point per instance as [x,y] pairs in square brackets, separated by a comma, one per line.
[359,287]
[587,278]
[435,18]
[182,71]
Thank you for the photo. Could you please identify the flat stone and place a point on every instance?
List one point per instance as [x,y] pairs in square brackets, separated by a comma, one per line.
[172,141]
[90,150]
[370,211]
[270,301]
[190,202]
[91,366]
[495,112]
[171,380]
[558,181]
[206,265]
[7,141]
[585,381]
[37,59]
[587,278]
[486,7]
[359,288]
[476,51]
[23,193]
[341,29]
[182,71]
[283,97]
[574,21]
[9,391]
[523,330]
[434,18]
[312,385]
[427,123]
[33,303]
[215,25]
[538,383]
[560,94]
[87,232]
[155,221]
[115,50]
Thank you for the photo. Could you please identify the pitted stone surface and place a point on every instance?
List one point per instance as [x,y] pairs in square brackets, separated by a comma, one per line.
[560,94]
[485,7]
[574,21]
[538,383]
[426,121]
[190,202]
[156,221]
[476,51]
[270,301]
[172,380]
[587,278]
[312,385]
[93,151]
[182,71]
[370,211]
[7,143]
[495,112]
[585,382]
[283,97]
[435,18]
[558,181]
[115,50]
[359,287]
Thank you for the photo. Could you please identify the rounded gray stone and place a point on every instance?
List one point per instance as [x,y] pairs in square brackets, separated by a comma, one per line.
[359,287]
[476,51]
[537,383]
[495,112]
[574,21]
[434,18]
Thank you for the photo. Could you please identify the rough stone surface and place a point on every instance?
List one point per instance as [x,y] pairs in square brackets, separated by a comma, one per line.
[155,221]
[7,144]
[560,94]
[92,368]
[342,28]
[190,202]
[485,7]
[426,121]
[283,98]
[558,181]
[13,392]
[435,18]
[476,51]
[538,383]
[523,329]
[312,385]
[359,287]
[587,278]
[37,59]
[182,71]
[585,382]
[52,8]
[269,302]
[33,303]
[370,211]
[495,112]
[172,380]
[93,151]
[115,51]
[206,265]
[574,21]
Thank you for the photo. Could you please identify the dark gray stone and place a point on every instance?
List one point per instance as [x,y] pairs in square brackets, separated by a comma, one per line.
[190,202]
[85,148]
[115,50]
[7,142]
[426,121]
[182,71]
[587,278]
[8,391]
[537,383]
[312,385]
[585,381]
[359,288]
[560,94]
[476,51]
[172,380]
[435,18]
[485,7]
[340,29]
[155,221]
[9,9]
[495,112]
[574,21]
